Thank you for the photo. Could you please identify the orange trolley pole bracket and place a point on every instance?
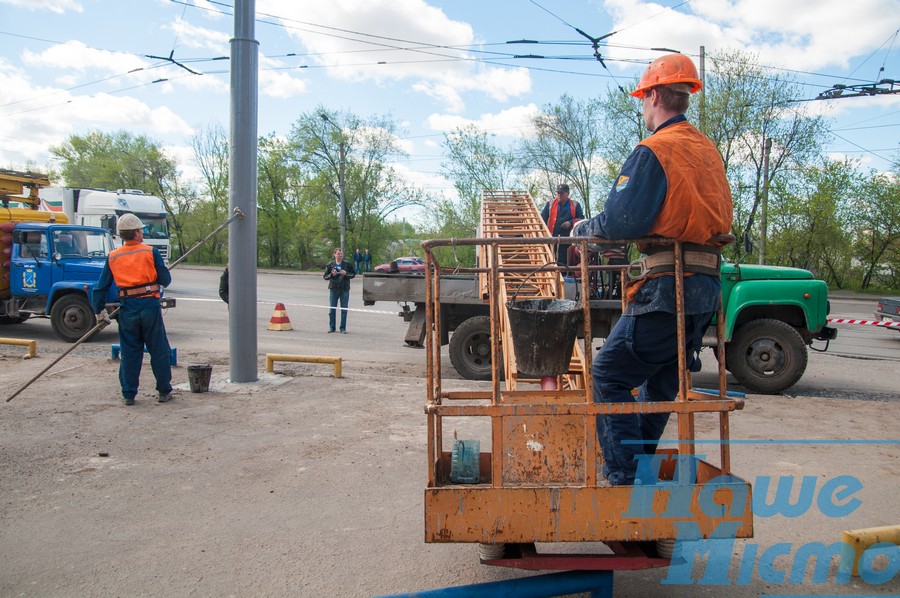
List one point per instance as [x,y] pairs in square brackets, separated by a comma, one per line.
[685,418]
[590,423]
[432,453]
[496,430]
[724,425]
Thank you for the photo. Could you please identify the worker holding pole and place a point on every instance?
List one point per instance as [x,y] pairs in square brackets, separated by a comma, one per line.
[673,185]
[139,273]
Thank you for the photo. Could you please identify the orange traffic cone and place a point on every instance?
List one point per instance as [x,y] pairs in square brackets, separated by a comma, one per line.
[279,319]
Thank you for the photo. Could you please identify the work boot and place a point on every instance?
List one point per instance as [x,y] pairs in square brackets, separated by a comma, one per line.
[166,396]
[128,400]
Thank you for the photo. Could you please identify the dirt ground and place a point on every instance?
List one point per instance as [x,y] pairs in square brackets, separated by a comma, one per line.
[307,485]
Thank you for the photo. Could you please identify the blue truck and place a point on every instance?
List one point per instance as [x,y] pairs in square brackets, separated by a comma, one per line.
[49,270]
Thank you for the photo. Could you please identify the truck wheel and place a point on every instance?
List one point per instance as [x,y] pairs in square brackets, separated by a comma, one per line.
[767,356]
[7,320]
[470,348]
[72,317]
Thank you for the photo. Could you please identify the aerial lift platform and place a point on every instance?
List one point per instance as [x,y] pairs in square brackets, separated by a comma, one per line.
[540,481]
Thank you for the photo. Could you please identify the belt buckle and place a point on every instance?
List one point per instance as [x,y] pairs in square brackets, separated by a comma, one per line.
[637,269]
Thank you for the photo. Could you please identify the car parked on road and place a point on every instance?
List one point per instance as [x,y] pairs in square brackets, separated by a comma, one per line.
[403,264]
[888,309]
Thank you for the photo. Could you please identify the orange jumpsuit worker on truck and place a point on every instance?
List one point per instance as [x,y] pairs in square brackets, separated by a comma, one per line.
[139,273]
[672,185]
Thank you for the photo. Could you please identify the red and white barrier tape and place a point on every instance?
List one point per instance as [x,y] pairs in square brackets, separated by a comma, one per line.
[882,323]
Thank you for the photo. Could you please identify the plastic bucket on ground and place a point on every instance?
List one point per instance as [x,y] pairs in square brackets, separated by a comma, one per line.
[543,332]
[198,376]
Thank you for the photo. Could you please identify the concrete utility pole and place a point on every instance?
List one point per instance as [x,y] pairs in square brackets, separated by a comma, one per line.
[764,204]
[242,146]
[341,184]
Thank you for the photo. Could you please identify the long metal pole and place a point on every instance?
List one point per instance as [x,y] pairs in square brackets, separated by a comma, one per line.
[242,194]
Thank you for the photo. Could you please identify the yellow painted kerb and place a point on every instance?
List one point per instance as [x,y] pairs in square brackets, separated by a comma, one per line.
[271,358]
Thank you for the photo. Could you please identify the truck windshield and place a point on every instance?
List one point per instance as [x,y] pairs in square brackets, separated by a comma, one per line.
[69,244]
[155,226]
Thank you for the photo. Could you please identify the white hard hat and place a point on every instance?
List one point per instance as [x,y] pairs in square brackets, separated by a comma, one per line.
[129,222]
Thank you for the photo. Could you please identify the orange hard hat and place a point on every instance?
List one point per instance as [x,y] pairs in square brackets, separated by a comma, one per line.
[667,70]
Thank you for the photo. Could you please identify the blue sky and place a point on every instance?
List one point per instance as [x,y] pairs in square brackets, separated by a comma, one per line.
[70,66]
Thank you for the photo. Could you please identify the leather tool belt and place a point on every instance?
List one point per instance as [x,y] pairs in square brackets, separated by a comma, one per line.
[144,290]
[699,259]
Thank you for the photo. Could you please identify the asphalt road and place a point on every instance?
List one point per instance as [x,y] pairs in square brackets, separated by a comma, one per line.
[862,363]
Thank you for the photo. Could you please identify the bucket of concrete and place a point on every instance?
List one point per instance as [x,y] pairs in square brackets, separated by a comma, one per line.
[199,376]
[543,332]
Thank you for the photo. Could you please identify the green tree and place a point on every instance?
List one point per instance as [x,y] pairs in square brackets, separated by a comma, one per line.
[322,141]
[876,227]
[122,160]
[565,146]
[808,219]
[743,106]
[210,148]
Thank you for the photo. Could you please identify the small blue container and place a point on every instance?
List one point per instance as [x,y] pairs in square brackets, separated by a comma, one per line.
[464,461]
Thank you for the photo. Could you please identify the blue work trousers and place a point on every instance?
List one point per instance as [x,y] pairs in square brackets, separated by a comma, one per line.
[641,352]
[343,296]
[141,323]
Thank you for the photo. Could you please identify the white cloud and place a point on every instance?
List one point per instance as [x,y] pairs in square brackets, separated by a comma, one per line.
[415,41]
[513,122]
[77,57]
[192,36]
[57,6]
[793,35]
[34,118]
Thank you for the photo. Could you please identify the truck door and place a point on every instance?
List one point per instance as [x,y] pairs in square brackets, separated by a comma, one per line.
[30,274]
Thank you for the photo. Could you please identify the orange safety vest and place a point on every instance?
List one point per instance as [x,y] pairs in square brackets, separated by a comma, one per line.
[698,203]
[132,265]
[554,208]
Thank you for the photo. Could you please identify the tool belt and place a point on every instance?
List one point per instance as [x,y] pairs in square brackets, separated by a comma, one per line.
[699,259]
[143,290]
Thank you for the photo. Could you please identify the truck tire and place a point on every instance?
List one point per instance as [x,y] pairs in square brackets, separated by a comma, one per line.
[470,348]
[72,317]
[766,356]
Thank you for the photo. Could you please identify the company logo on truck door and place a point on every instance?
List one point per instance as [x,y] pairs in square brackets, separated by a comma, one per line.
[29,279]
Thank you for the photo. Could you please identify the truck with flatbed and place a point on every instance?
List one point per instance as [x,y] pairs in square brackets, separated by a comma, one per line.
[772,315]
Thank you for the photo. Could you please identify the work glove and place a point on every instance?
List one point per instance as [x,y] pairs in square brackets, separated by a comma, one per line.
[103,319]
[580,229]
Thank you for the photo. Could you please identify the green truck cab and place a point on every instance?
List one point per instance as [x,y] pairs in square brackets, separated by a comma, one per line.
[772,314]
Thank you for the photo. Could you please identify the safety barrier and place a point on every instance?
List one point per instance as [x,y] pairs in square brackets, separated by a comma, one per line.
[879,323]
[271,358]
[859,540]
[32,345]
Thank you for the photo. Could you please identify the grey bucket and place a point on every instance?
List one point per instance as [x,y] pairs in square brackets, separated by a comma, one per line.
[543,332]
[199,376]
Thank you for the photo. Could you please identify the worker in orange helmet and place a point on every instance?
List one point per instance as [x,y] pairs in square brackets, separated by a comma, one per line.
[672,185]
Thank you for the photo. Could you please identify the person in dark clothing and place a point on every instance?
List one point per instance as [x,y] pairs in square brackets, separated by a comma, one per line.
[338,273]
[223,285]
[139,273]
[358,260]
[673,185]
[559,215]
